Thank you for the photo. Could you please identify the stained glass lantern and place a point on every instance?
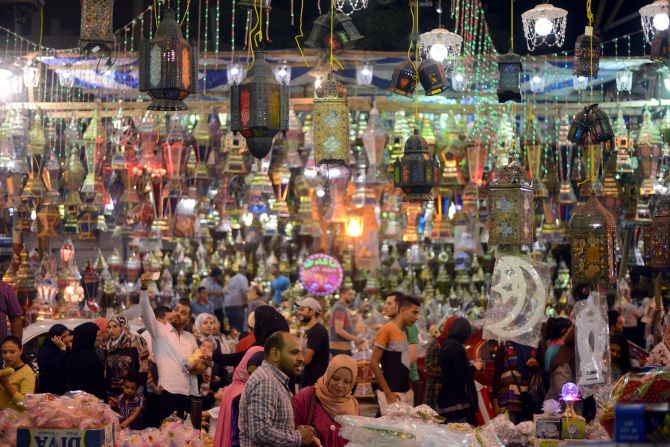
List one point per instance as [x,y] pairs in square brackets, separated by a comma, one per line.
[403,81]
[509,68]
[660,50]
[592,229]
[544,25]
[96,34]
[344,33]
[440,45]
[364,74]
[588,49]
[417,171]
[374,142]
[331,123]
[259,107]
[657,237]
[168,66]
[624,81]
[91,282]
[655,18]
[592,125]
[432,77]
[510,202]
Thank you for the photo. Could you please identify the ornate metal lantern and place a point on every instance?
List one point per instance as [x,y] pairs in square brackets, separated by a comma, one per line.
[544,24]
[657,237]
[590,125]
[588,49]
[344,35]
[655,18]
[511,207]
[432,77]
[168,66]
[331,123]
[509,68]
[593,242]
[440,45]
[417,171]
[649,143]
[259,107]
[96,33]
[404,80]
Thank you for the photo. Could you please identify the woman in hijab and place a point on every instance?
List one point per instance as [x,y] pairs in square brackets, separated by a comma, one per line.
[52,360]
[205,327]
[127,354]
[86,372]
[457,399]
[331,396]
[433,370]
[228,414]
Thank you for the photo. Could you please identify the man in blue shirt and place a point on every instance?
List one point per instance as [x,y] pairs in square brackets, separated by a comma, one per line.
[201,305]
[278,285]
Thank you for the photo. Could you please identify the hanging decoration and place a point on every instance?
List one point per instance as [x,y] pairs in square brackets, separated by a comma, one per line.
[404,79]
[592,354]
[655,18]
[657,237]
[624,81]
[321,274]
[440,45]
[259,107]
[417,171]
[588,50]
[331,123]
[364,74]
[342,36]
[432,77]
[591,125]
[510,203]
[96,35]
[509,69]
[348,7]
[168,66]
[544,25]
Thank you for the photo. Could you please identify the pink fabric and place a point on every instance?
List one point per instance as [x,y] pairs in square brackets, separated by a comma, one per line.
[224,434]
[321,421]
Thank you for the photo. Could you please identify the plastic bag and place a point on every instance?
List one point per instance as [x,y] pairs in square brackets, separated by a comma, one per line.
[517,300]
[592,345]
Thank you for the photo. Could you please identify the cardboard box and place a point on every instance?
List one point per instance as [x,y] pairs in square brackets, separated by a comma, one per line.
[573,428]
[57,437]
[547,427]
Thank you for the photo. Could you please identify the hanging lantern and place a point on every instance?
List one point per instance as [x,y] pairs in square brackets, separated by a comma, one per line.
[259,107]
[622,142]
[440,45]
[374,142]
[168,66]
[624,81]
[648,145]
[537,83]
[331,123]
[591,125]
[344,33]
[364,74]
[417,171]
[459,80]
[534,147]
[510,203]
[235,73]
[96,33]
[588,49]
[592,229]
[91,282]
[282,73]
[432,77]
[580,83]
[509,69]
[660,47]
[655,18]
[657,237]
[31,76]
[403,81]
[544,25]
[566,194]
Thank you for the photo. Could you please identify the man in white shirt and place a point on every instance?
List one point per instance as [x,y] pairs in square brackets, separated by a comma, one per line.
[171,346]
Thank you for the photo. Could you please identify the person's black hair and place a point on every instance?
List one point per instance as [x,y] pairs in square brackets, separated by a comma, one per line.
[160,311]
[256,359]
[624,361]
[17,341]
[201,288]
[397,294]
[407,301]
[612,317]
[275,340]
[131,378]
[216,272]
[184,302]
[555,327]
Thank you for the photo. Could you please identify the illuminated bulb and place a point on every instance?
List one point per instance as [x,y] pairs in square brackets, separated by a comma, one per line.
[234,71]
[365,71]
[282,71]
[5,74]
[582,78]
[661,21]
[438,52]
[537,79]
[248,219]
[320,193]
[543,27]
[334,173]
[317,82]
[666,83]
[459,77]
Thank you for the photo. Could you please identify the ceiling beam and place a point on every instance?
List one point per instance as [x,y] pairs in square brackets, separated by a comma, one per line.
[599,14]
[613,13]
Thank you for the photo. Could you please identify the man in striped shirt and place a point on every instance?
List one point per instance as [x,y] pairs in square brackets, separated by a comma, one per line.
[266,410]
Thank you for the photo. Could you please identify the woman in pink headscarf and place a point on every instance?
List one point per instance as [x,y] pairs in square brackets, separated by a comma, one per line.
[227,434]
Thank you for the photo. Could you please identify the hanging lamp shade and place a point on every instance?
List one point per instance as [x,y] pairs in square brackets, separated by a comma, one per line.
[509,68]
[259,107]
[344,35]
[510,202]
[403,81]
[440,45]
[588,49]
[544,25]
[657,237]
[432,77]
[96,34]
[655,18]
[168,66]
[592,229]
[331,123]
[417,171]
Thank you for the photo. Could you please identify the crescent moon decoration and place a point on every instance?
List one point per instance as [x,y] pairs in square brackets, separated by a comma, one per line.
[519,285]
[592,347]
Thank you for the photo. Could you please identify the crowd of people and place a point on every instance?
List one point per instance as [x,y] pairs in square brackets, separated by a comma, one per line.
[230,352]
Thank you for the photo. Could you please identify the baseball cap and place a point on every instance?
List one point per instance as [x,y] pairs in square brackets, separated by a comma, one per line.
[311,303]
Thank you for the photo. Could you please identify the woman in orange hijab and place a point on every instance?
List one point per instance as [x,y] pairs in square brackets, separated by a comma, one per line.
[331,396]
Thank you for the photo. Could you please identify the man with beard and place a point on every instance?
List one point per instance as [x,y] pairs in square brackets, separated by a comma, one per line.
[266,409]
[341,325]
[316,349]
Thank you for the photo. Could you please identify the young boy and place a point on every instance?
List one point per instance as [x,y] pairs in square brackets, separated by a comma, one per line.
[130,405]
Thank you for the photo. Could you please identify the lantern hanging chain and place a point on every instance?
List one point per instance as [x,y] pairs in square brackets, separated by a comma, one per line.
[302,54]
[511,27]
[415,32]
[188,4]
[41,25]
[332,31]
[439,13]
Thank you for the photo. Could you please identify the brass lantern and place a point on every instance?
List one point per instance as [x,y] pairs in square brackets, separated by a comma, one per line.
[96,33]
[331,123]
[344,35]
[432,77]
[588,49]
[259,107]
[417,171]
[592,229]
[511,207]
[509,68]
[168,66]
[403,81]
[657,237]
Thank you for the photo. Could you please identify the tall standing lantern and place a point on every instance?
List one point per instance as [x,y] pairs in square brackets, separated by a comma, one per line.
[417,171]
[168,66]
[657,237]
[588,49]
[510,202]
[331,123]
[96,34]
[509,68]
[259,107]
